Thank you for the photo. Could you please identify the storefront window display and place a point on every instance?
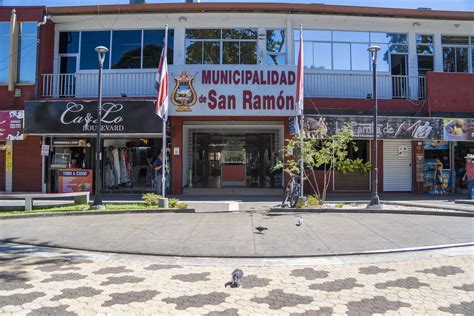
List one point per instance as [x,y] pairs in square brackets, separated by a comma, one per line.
[461,150]
[437,171]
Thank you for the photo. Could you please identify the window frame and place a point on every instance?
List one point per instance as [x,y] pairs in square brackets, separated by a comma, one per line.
[332,42]
[221,41]
[470,51]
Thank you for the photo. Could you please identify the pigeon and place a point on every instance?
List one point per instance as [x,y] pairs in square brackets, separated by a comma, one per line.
[260,229]
[299,222]
[237,276]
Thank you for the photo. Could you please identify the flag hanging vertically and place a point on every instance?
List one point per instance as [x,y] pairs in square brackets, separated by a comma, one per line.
[300,76]
[161,83]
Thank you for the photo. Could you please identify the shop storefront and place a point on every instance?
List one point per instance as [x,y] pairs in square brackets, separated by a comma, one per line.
[398,135]
[229,124]
[131,142]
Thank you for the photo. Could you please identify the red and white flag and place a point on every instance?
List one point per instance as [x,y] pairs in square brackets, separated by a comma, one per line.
[161,83]
[300,76]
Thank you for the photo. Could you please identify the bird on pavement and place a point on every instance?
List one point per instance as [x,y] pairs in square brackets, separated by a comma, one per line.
[237,276]
[299,222]
[260,229]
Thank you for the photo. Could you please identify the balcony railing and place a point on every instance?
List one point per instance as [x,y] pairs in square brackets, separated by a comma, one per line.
[324,85]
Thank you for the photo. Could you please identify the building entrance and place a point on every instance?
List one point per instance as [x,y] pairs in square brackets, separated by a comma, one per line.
[234,160]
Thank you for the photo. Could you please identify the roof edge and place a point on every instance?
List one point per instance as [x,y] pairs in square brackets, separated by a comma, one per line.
[236,7]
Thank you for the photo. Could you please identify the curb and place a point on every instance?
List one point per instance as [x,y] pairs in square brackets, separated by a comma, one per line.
[368,211]
[362,253]
[442,207]
[81,213]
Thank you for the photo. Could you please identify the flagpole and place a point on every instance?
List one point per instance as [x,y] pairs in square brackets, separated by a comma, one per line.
[301,105]
[163,149]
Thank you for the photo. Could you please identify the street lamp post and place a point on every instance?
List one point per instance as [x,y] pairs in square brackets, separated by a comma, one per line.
[374,200]
[101,51]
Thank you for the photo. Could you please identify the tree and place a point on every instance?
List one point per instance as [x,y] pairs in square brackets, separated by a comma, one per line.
[325,152]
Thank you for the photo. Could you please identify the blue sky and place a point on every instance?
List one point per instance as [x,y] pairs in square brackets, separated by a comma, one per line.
[455,5]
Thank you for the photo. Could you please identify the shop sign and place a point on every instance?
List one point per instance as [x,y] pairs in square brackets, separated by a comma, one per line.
[419,161]
[387,127]
[11,125]
[75,180]
[226,90]
[69,143]
[80,117]
[460,129]
[8,159]
[44,150]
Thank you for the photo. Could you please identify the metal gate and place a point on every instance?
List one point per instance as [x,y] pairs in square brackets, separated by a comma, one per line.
[397,169]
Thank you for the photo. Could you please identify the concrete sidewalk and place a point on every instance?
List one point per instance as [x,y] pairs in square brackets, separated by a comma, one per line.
[235,234]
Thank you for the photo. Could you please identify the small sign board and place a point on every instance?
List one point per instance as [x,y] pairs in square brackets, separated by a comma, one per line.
[44,150]
[402,151]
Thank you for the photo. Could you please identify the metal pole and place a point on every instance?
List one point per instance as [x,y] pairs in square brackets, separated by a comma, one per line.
[163,150]
[97,204]
[302,151]
[375,197]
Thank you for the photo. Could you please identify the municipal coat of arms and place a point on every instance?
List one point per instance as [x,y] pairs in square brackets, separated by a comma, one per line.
[183,95]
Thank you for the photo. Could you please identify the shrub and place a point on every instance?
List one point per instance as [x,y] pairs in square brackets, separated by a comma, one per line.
[314,201]
[175,203]
[151,199]
[339,205]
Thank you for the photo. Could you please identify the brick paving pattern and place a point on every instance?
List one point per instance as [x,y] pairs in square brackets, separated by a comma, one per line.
[65,285]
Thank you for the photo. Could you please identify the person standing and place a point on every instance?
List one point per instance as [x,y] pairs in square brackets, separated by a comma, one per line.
[469,175]
[158,165]
[439,186]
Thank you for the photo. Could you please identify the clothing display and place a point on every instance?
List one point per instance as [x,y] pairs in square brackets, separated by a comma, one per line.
[117,168]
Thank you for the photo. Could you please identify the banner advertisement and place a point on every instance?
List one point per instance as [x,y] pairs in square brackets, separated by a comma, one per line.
[80,117]
[74,180]
[224,90]
[422,128]
[459,129]
[11,125]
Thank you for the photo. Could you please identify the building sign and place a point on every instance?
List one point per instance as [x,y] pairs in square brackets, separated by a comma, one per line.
[387,127]
[80,117]
[69,143]
[216,90]
[458,129]
[11,125]
[74,180]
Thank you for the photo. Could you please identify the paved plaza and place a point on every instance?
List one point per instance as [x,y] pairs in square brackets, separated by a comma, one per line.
[39,281]
[236,234]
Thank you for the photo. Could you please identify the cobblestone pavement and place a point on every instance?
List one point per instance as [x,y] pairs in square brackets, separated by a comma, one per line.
[75,283]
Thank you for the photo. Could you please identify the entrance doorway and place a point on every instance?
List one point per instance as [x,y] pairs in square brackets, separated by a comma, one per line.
[233,160]
[397,169]
[399,73]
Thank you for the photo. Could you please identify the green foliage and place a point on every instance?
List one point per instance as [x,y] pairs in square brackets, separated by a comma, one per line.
[328,153]
[151,199]
[300,203]
[339,205]
[175,203]
[313,201]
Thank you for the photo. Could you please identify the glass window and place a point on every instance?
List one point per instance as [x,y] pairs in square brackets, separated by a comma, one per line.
[396,38]
[462,63]
[126,49]
[341,56]
[203,33]
[27,49]
[69,42]
[4,51]
[397,49]
[449,58]
[323,53]
[230,53]
[339,36]
[376,37]
[248,53]
[276,47]
[455,40]
[152,46]
[383,58]
[89,41]
[276,41]
[194,52]
[239,34]
[424,39]
[211,53]
[360,57]
[314,35]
